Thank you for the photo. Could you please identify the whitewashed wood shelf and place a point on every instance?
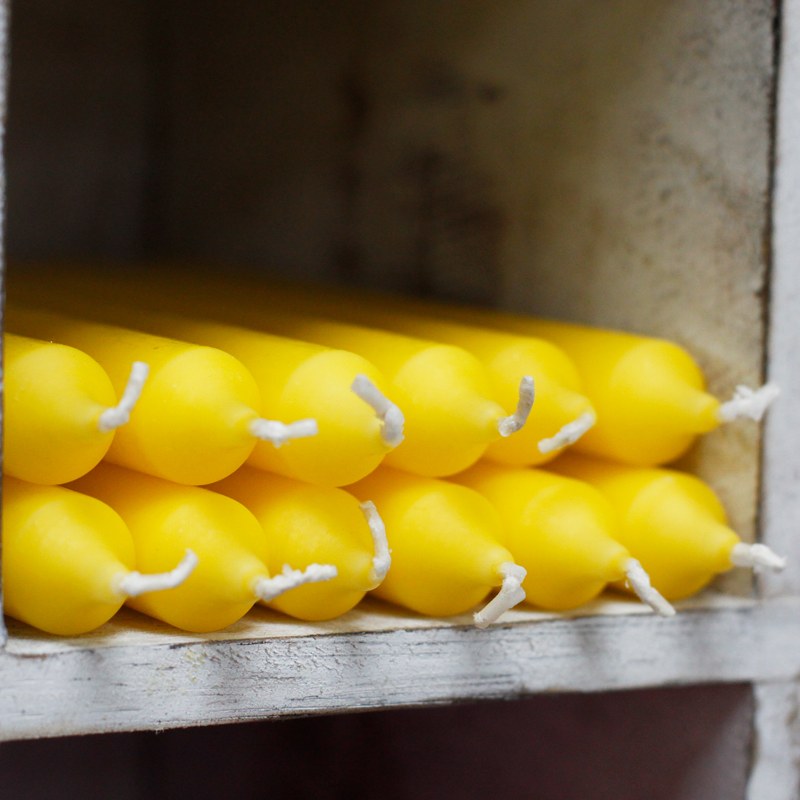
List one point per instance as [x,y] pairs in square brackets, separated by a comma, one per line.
[137,675]
[665,160]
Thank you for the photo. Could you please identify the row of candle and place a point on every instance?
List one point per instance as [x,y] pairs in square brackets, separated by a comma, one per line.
[649,392]
[689,568]
[556,539]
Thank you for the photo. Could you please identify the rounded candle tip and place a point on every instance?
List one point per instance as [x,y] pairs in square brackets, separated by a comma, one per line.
[132,584]
[758,557]
[118,415]
[278,433]
[267,589]
[387,412]
[382,559]
[515,422]
[748,403]
[639,582]
[511,594]
[569,434]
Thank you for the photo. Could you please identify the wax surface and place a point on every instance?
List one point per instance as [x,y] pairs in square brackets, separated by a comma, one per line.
[63,553]
[649,394]
[191,422]
[304,525]
[445,540]
[297,380]
[561,530]
[672,522]
[164,520]
[506,357]
[444,392]
[53,398]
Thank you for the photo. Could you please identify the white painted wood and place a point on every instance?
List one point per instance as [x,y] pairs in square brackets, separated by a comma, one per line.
[154,680]
[781,473]
[776,772]
[458,171]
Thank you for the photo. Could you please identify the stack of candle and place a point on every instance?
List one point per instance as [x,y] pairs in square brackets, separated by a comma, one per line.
[350,382]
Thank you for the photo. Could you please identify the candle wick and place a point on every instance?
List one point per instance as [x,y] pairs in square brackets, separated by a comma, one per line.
[278,433]
[387,412]
[639,581]
[132,584]
[509,425]
[119,414]
[747,402]
[569,434]
[269,588]
[382,559]
[758,557]
[511,593]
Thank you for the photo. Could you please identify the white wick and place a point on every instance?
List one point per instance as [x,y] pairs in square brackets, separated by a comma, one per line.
[132,584]
[569,434]
[270,430]
[269,588]
[387,412]
[757,556]
[747,402]
[382,559]
[117,416]
[509,425]
[511,593]
[639,581]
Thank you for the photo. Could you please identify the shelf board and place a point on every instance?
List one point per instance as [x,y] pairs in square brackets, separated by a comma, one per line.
[137,675]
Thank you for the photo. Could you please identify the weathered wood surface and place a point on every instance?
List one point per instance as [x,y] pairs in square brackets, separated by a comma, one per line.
[775,774]
[113,683]
[781,472]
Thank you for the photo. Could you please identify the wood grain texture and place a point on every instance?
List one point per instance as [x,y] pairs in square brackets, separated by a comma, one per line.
[60,688]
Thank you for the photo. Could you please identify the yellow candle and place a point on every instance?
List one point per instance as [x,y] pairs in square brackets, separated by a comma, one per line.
[60,410]
[343,392]
[562,531]
[671,522]
[166,518]
[68,560]
[446,553]
[445,394]
[649,394]
[309,524]
[444,391]
[198,416]
[562,414]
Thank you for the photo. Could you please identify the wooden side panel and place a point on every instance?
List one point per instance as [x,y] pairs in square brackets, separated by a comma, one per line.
[601,162]
[661,744]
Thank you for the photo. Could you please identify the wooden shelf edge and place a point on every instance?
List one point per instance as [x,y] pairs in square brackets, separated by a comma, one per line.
[171,684]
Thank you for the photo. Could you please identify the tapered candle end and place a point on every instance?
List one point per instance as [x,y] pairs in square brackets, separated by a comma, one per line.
[267,589]
[511,593]
[758,557]
[510,425]
[132,584]
[748,403]
[569,434]
[278,433]
[386,411]
[639,582]
[113,418]
[382,559]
